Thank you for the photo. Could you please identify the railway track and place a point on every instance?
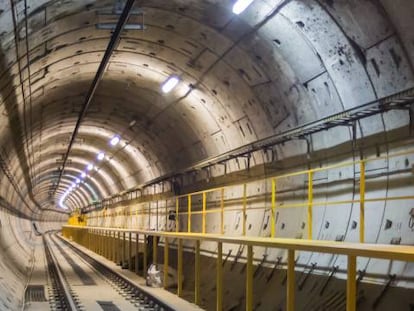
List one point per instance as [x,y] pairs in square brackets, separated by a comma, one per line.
[79,282]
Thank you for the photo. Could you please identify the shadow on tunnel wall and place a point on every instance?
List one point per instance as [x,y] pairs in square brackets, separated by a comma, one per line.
[10,101]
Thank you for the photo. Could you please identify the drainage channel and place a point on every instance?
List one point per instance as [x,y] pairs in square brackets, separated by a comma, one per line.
[81,263]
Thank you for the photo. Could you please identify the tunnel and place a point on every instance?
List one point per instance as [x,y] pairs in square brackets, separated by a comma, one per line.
[257,154]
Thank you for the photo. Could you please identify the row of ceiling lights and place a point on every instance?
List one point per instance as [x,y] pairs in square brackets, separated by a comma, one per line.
[91,166]
[166,87]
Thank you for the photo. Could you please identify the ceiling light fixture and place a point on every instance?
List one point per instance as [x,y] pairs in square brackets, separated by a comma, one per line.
[83,175]
[241,5]
[101,156]
[115,140]
[89,167]
[169,84]
[77,180]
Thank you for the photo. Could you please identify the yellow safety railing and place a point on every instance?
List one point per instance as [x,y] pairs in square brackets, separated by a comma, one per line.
[112,244]
[215,200]
[77,219]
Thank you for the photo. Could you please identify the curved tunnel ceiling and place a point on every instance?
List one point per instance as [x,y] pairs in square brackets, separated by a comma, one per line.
[243,77]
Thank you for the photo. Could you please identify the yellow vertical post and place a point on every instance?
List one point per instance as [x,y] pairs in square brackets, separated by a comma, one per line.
[189,213]
[101,233]
[351,284]
[154,249]
[145,259]
[89,239]
[310,203]
[118,244]
[149,216]
[166,253]
[114,247]
[180,268]
[219,277]
[94,246]
[123,248]
[110,251]
[204,211]
[176,214]
[113,236]
[130,251]
[109,245]
[244,208]
[290,301]
[197,297]
[136,253]
[166,215]
[273,224]
[93,240]
[97,242]
[105,244]
[362,202]
[101,240]
[249,279]
[222,211]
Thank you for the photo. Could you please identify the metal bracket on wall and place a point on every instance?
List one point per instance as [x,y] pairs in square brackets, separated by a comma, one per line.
[227,257]
[224,163]
[387,285]
[361,275]
[331,274]
[277,264]
[259,267]
[305,278]
[236,259]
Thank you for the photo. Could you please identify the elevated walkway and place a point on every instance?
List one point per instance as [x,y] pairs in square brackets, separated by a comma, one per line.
[113,243]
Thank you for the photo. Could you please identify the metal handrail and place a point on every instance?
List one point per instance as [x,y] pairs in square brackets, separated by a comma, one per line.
[102,240]
[218,205]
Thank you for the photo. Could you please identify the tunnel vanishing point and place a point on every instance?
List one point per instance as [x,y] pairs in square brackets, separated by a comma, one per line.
[241,154]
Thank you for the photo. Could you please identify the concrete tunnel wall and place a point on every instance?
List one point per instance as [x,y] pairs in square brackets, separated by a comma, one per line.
[278,65]
[17,257]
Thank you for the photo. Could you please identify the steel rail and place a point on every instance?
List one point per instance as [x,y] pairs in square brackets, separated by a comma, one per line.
[95,83]
[117,278]
[56,273]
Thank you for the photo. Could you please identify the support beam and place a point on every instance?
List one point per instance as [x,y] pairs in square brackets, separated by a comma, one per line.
[351,284]
[219,277]
[290,302]
[197,298]
[362,202]
[249,279]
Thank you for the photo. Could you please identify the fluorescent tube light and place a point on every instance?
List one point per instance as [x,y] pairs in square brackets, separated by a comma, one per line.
[114,140]
[241,5]
[169,84]
[101,156]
